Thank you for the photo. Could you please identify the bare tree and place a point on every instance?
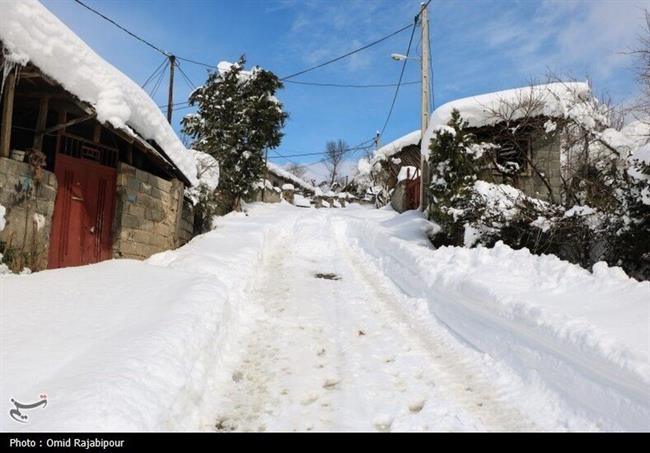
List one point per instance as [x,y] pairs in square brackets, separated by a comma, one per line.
[334,151]
[298,170]
[643,69]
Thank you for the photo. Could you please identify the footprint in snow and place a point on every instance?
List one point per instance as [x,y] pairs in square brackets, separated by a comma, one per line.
[383,422]
[416,406]
[330,383]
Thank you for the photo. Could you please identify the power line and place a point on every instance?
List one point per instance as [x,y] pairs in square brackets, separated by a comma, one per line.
[139,38]
[347,54]
[154,90]
[157,49]
[401,76]
[336,85]
[189,82]
[166,60]
[207,65]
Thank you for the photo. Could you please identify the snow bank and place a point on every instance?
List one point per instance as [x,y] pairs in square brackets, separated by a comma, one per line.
[125,345]
[555,100]
[582,335]
[282,173]
[32,34]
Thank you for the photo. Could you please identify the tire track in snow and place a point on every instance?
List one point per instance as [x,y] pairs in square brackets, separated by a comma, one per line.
[343,355]
[454,375]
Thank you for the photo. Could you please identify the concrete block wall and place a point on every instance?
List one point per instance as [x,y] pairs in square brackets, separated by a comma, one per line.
[29,201]
[148,213]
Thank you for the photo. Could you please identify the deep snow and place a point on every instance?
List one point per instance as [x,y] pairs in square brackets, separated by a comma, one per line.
[235,331]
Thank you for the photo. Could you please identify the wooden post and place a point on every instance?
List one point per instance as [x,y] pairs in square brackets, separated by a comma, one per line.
[97,133]
[62,118]
[41,122]
[7,114]
[170,93]
[129,154]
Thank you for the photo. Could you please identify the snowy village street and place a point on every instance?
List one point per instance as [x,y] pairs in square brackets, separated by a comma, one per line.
[322,216]
[301,319]
[339,353]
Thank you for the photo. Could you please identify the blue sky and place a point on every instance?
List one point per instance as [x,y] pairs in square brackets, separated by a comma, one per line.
[477,46]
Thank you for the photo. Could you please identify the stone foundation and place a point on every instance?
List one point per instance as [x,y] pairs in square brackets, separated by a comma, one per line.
[30,205]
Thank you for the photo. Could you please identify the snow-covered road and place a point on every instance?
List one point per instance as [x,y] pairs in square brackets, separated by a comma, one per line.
[331,319]
[338,353]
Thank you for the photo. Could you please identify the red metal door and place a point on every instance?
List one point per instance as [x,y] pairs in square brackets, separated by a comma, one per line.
[83,213]
[412,193]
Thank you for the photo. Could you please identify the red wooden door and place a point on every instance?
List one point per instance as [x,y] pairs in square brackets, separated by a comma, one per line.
[83,213]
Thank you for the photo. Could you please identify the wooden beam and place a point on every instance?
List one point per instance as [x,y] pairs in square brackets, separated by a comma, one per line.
[7,114]
[58,127]
[41,122]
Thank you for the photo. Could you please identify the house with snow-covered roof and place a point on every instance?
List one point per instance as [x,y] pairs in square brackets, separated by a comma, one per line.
[282,184]
[525,125]
[90,169]
[397,166]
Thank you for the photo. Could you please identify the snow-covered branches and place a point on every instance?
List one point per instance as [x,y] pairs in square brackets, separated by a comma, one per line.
[238,117]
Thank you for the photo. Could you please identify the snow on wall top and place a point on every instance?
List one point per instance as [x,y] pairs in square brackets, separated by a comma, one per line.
[32,33]
[282,173]
[478,110]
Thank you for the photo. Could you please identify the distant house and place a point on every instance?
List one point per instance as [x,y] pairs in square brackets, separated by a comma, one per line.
[525,124]
[89,167]
[281,184]
[397,166]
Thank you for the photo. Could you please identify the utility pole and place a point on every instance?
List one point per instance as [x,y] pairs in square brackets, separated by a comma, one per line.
[170,96]
[266,172]
[424,86]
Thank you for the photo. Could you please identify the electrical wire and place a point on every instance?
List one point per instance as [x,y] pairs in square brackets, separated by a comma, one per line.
[333,60]
[166,60]
[401,76]
[337,85]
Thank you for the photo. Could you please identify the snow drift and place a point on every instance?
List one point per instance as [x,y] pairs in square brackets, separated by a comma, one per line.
[125,345]
[582,335]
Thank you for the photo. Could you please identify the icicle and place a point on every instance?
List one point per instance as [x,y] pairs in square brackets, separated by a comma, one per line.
[7,66]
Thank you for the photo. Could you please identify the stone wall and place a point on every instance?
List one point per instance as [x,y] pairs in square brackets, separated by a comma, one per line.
[148,214]
[186,223]
[30,204]
[270,195]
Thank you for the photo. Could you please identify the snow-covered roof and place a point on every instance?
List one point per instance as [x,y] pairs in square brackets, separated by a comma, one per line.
[31,33]
[554,101]
[394,147]
[282,173]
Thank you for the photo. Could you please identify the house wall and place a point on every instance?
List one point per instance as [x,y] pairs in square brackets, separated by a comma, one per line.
[546,157]
[270,196]
[30,205]
[149,214]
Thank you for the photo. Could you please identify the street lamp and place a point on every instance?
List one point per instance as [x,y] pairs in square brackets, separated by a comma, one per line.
[400,57]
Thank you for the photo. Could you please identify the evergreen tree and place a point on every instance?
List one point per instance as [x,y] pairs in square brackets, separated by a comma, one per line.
[238,117]
[454,161]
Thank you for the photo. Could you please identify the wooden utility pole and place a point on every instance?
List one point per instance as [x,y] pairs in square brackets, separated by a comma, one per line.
[7,113]
[170,96]
[424,86]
